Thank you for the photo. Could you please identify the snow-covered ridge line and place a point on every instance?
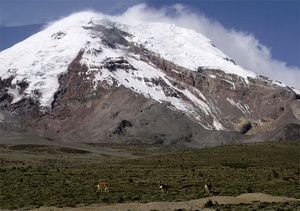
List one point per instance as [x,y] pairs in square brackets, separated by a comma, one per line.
[43,57]
[184,47]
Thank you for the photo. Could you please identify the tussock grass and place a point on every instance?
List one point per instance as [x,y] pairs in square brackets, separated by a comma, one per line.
[53,176]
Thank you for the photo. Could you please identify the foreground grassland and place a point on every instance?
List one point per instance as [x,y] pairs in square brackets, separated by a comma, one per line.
[36,173]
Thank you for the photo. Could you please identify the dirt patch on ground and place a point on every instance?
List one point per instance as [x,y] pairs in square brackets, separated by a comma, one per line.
[198,204]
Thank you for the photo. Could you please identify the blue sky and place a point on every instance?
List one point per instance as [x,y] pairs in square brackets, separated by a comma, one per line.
[269,28]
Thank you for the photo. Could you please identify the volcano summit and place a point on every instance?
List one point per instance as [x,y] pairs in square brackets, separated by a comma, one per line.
[86,78]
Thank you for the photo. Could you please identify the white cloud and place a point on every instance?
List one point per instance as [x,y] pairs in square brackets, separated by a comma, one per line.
[243,47]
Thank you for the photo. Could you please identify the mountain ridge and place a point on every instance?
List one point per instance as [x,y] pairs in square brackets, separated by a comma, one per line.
[94,68]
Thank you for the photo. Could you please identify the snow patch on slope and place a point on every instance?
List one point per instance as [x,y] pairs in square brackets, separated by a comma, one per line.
[184,47]
[43,57]
[245,109]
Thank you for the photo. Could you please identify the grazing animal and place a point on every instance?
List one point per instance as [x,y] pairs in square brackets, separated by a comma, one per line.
[207,186]
[163,187]
[102,186]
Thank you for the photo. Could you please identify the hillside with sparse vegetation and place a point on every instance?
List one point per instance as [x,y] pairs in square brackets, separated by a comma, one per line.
[38,173]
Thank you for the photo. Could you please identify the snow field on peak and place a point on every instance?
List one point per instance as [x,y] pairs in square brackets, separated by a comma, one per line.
[43,57]
[184,47]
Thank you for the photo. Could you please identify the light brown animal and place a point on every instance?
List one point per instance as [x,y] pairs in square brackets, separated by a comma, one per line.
[102,186]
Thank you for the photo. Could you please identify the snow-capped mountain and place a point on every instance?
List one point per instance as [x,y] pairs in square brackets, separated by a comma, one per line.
[88,78]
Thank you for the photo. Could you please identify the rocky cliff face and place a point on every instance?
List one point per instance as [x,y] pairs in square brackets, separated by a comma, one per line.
[137,96]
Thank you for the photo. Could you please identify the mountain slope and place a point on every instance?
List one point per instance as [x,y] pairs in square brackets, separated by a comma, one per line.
[89,79]
[11,35]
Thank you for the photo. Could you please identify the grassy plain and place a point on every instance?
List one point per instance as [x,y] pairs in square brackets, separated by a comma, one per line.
[37,172]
